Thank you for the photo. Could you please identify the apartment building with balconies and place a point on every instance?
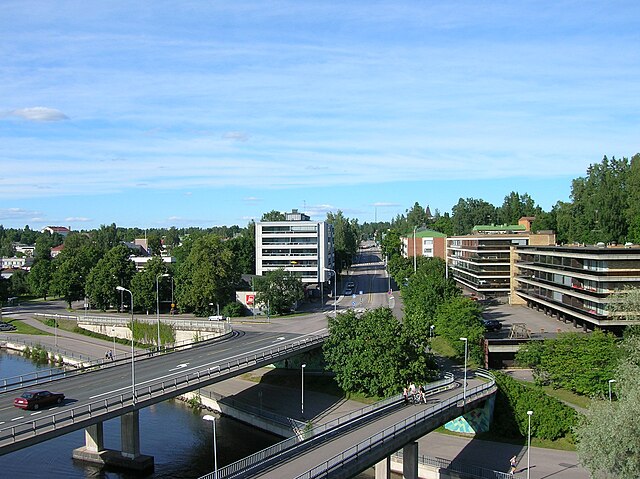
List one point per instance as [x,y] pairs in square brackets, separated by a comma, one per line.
[297,244]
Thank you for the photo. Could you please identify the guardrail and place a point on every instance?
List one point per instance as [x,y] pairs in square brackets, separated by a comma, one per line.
[95,409]
[364,447]
[40,376]
[124,321]
[333,425]
[468,470]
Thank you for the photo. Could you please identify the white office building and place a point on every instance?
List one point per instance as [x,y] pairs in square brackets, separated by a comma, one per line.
[296,244]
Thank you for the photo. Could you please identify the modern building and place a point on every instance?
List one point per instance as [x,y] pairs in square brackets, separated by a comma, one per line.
[23,262]
[481,262]
[296,244]
[574,283]
[427,243]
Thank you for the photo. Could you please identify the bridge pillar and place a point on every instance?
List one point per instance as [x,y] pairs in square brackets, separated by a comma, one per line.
[383,468]
[410,461]
[128,458]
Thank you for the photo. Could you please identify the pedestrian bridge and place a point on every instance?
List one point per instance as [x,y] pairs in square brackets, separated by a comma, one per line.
[347,446]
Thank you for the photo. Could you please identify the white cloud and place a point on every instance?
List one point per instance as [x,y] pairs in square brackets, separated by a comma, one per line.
[236,136]
[18,214]
[251,199]
[77,219]
[385,205]
[38,114]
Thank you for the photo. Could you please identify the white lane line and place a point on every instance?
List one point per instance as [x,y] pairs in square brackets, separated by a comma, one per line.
[180,366]
[203,366]
[1,423]
[17,418]
[34,413]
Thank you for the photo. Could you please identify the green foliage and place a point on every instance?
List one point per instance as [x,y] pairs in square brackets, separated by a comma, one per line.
[279,289]
[391,244]
[609,434]
[372,355]
[582,363]
[143,285]
[40,277]
[345,239]
[459,317]
[233,310]
[207,275]
[18,284]
[195,401]
[147,333]
[273,215]
[112,270]
[244,250]
[625,304]
[516,206]
[471,212]
[551,419]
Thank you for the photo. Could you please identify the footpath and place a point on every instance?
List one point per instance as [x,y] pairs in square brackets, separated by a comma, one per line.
[320,408]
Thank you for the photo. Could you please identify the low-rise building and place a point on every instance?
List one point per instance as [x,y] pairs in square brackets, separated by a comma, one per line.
[427,243]
[23,262]
[61,230]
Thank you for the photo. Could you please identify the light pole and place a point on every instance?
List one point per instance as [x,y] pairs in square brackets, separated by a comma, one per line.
[415,260]
[529,413]
[335,297]
[113,332]
[133,355]
[212,419]
[302,390]
[611,381]
[55,332]
[464,385]
[158,276]
[431,331]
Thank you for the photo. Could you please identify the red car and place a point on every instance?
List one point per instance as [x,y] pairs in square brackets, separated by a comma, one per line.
[36,399]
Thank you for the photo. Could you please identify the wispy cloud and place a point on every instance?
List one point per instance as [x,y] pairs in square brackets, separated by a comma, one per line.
[37,114]
[18,214]
[236,136]
[77,219]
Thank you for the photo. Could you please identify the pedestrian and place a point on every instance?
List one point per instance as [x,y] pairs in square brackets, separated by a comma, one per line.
[405,395]
[106,355]
[423,395]
[513,462]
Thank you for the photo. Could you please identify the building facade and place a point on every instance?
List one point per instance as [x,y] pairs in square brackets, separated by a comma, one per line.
[427,243]
[297,244]
[574,283]
[481,262]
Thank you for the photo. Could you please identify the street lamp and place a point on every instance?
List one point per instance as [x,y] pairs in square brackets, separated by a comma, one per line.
[133,356]
[529,413]
[335,297]
[611,381]
[431,331]
[158,276]
[113,333]
[212,419]
[302,390]
[464,385]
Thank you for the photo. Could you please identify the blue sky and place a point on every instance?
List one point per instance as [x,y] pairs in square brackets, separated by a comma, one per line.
[160,113]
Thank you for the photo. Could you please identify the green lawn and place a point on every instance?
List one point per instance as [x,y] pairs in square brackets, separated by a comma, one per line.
[24,328]
[568,397]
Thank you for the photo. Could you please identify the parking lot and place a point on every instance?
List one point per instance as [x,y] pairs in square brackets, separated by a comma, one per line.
[538,323]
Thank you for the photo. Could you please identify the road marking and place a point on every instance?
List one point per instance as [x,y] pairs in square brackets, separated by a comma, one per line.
[179,366]
[1,423]
[34,413]
[280,338]
[17,418]
[203,366]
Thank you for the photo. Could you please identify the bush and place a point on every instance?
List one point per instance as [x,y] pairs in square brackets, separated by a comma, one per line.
[233,310]
[551,418]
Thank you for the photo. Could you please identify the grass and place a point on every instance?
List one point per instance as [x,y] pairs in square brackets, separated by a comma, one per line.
[568,397]
[562,444]
[441,347]
[24,328]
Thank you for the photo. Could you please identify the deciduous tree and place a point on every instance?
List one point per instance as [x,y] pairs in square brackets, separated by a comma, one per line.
[279,289]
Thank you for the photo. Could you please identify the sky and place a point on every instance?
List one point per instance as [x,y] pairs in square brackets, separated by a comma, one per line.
[197,113]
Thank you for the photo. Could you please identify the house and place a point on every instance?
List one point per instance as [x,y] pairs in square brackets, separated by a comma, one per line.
[61,230]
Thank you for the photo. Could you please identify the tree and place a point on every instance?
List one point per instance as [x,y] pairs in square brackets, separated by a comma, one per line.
[515,206]
[471,212]
[244,250]
[459,317]
[143,285]
[154,243]
[114,269]
[625,304]
[40,278]
[345,238]
[172,238]
[443,224]
[417,216]
[18,283]
[279,289]
[372,355]
[273,215]
[207,275]
[391,244]
[633,208]
[106,237]
[609,433]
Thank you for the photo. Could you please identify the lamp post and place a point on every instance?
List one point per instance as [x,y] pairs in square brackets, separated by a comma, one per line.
[464,385]
[55,332]
[431,331]
[335,297]
[302,390]
[611,381]
[415,260]
[212,419]
[133,355]
[113,333]
[158,276]
[529,413]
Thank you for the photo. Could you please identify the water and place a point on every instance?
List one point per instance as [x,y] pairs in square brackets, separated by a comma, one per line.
[173,433]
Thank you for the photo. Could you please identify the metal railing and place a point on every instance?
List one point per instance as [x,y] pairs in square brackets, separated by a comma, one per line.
[316,431]
[66,417]
[364,447]
[124,321]
[468,470]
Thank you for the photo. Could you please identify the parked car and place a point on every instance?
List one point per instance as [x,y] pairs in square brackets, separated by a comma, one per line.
[217,318]
[348,291]
[37,399]
[351,285]
[7,327]
[491,325]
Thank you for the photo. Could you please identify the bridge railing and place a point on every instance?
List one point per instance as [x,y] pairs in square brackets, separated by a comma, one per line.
[85,363]
[465,469]
[65,417]
[333,425]
[364,447]
[124,321]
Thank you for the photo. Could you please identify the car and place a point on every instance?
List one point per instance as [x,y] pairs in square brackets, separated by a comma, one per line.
[37,399]
[491,325]
[348,291]
[217,318]
[7,327]
[351,285]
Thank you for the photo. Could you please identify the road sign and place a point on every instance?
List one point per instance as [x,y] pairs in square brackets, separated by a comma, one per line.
[353,303]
